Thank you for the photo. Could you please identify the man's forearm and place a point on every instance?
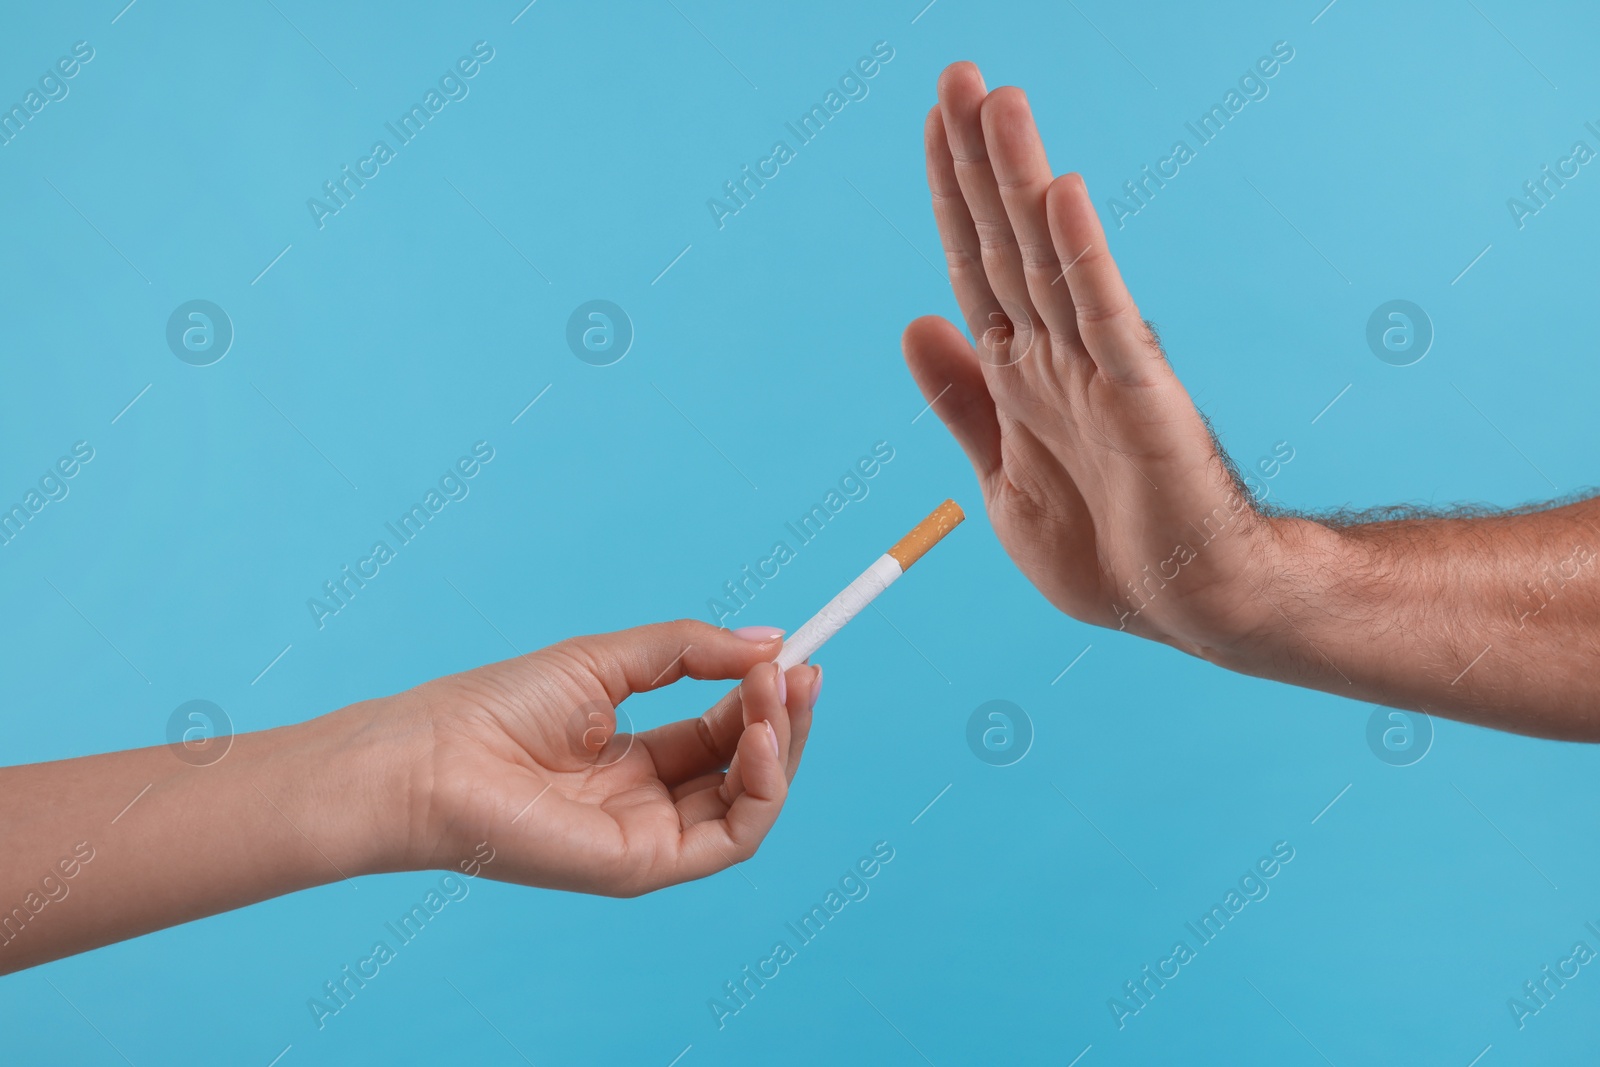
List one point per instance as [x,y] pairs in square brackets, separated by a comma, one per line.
[1492,619]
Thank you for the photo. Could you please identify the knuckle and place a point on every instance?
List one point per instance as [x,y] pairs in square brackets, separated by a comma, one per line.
[1018,183]
[685,629]
[575,652]
[707,739]
[995,236]
[1039,256]
[968,156]
[960,259]
[1090,258]
[1099,314]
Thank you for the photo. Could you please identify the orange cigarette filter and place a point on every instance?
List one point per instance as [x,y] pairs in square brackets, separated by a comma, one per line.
[927,533]
[874,580]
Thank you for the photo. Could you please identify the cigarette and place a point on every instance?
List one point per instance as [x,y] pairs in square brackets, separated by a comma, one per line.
[874,580]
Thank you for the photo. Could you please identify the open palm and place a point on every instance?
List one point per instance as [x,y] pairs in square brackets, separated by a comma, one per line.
[1099,475]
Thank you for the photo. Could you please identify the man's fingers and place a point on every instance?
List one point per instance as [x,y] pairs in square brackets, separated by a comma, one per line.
[648,657]
[950,377]
[1022,173]
[961,93]
[963,255]
[1108,321]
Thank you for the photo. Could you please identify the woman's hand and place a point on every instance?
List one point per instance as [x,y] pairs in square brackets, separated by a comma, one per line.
[525,755]
[521,755]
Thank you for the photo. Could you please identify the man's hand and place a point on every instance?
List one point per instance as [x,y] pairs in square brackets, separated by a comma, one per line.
[1106,487]
[1101,478]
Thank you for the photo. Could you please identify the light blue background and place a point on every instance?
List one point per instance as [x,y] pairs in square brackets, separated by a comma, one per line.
[409,328]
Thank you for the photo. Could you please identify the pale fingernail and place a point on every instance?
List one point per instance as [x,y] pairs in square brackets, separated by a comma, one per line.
[758,634]
[783,687]
[772,735]
[816,688]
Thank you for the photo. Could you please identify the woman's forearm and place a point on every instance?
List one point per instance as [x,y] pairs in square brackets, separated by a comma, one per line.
[108,847]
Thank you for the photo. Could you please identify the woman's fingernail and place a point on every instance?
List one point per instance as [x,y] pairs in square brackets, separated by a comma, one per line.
[783,686]
[758,634]
[816,688]
[772,735]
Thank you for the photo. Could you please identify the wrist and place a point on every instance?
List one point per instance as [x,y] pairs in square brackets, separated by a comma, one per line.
[1302,564]
[357,772]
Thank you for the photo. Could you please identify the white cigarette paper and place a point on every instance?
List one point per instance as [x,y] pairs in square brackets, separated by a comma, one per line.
[804,642]
[838,611]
